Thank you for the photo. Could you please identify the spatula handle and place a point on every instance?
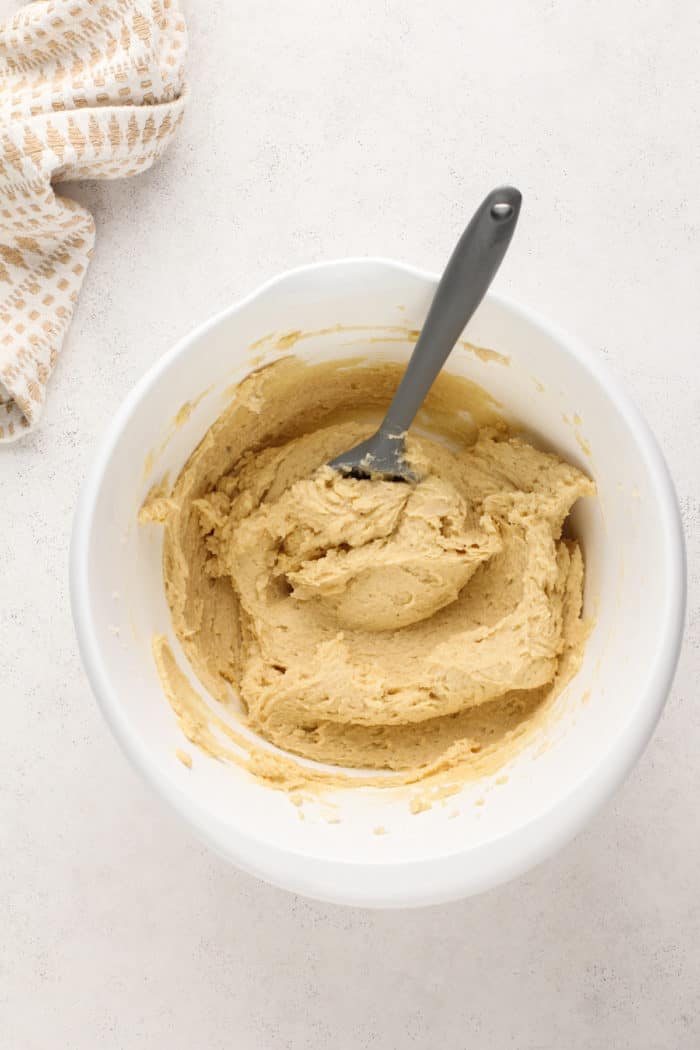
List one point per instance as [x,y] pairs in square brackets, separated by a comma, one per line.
[469,273]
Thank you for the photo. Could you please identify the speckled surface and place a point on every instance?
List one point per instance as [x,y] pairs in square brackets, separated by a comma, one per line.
[316,130]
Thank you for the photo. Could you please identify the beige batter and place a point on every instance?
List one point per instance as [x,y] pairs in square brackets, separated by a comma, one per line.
[370,624]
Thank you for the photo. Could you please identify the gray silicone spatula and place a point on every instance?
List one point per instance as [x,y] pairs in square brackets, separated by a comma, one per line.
[469,273]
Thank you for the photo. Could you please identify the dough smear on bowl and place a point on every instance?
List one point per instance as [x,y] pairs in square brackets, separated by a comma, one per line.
[367,623]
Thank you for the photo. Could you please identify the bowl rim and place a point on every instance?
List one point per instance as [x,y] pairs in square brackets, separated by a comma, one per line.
[443,877]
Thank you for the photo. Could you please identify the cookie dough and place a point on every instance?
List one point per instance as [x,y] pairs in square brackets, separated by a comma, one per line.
[366,623]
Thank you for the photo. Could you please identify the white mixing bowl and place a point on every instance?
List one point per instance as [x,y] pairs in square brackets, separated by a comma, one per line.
[635,587]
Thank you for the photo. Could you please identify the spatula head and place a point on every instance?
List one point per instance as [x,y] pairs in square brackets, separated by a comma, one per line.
[381,456]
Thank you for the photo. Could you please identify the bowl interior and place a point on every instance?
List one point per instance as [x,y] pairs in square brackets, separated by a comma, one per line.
[368,308]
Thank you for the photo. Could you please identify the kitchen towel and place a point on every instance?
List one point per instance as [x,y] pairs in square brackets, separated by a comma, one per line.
[88,89]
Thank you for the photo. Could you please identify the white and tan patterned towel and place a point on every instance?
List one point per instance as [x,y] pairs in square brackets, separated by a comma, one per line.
[88,89]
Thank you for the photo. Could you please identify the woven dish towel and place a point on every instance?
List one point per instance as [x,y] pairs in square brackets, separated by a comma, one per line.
[88,89]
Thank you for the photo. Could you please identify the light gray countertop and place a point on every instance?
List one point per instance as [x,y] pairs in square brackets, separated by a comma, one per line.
[322,129]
